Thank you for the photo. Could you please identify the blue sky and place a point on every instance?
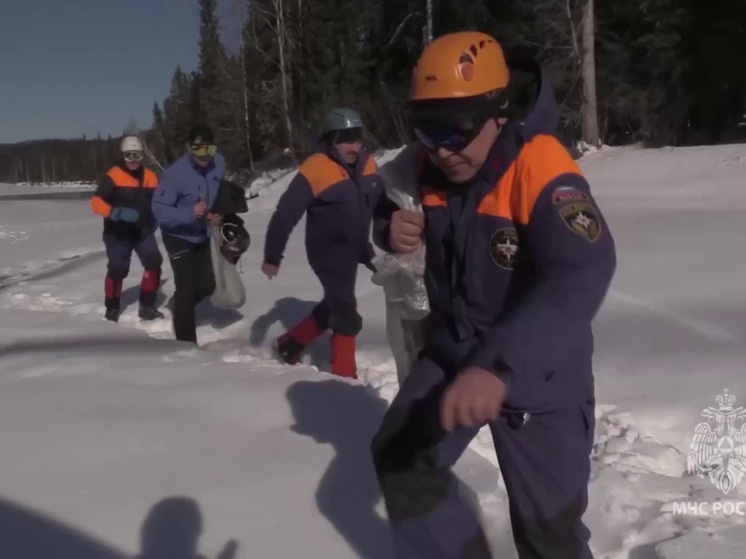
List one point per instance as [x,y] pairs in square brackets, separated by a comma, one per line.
[74,67]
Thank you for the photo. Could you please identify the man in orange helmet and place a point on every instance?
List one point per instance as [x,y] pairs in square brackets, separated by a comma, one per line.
[518,261]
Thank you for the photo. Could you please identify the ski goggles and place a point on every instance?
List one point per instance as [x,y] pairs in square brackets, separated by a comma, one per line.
[203,150]
[132,156]
[453,137]
[454,123]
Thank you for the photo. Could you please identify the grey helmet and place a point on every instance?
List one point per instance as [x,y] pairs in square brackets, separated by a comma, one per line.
[341,119]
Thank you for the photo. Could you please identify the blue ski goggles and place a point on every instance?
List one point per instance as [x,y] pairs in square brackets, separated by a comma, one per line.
[454,123]
[436,135]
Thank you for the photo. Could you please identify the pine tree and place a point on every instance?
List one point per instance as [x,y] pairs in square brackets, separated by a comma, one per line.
[219,85]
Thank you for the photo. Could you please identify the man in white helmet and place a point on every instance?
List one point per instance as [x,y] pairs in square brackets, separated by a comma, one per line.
[123,199]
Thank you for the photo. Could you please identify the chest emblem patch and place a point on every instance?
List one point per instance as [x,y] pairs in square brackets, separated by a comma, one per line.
[504,247]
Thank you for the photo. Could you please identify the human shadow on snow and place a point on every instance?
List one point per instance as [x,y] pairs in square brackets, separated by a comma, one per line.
[289,311]
[131,295]
[345,416]
[171,530]
[205,312]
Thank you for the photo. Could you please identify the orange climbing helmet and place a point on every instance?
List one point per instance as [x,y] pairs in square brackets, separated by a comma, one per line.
[459,65]
[460,82]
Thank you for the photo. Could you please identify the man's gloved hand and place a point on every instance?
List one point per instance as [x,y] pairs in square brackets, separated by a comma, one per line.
[121,213]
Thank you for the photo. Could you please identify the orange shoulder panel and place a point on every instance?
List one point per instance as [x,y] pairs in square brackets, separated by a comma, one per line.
[432,197]
[370,166]
[429,195]
[151,179]
[122,179]
[541,161]
[497,202]
[321,172]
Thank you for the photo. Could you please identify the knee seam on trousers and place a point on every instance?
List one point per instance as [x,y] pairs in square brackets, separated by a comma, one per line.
[117,273]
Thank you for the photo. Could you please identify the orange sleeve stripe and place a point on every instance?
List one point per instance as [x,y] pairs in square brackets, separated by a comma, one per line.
[432,197]
[541,161]
[100,207]
[321,172]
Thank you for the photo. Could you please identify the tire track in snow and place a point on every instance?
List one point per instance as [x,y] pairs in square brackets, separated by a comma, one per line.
[52,269]
[708,330]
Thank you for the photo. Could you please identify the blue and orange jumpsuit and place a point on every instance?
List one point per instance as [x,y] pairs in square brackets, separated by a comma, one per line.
[338,200]
[517,265]
[121,187]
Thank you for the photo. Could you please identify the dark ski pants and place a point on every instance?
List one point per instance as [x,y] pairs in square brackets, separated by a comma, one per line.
[119,254]
[194,280]
[544,460]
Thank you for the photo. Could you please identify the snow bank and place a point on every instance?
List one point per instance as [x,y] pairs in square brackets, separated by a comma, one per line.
[129,417]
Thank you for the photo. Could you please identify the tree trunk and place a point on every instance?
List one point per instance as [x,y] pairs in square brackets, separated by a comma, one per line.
[429,28]
[281,41]
[589,110]
[246,97]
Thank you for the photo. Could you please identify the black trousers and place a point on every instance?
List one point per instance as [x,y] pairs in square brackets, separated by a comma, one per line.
[194,280]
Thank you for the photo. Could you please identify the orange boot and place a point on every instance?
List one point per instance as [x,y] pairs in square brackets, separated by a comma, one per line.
[291,344]
[343,356]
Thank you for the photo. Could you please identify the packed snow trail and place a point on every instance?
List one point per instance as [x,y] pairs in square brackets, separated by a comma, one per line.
[104,413]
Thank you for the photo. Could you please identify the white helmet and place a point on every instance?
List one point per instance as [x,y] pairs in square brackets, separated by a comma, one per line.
[130,143]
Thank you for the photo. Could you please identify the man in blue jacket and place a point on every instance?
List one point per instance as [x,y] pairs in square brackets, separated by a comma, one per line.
[181,204]
[337,186]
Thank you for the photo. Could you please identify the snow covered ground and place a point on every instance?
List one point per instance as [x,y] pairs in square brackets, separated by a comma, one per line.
[103,422]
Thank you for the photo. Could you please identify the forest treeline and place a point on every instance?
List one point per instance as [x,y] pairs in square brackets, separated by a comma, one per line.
[661,72]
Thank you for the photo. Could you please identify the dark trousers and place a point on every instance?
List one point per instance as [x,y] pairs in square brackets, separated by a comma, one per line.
[544,460]
[119,250]
[194,280]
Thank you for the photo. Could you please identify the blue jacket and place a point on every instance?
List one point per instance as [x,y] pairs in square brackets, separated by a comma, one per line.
[517,265]
[181,186]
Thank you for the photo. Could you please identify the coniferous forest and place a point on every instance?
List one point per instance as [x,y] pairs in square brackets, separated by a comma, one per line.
[659,72]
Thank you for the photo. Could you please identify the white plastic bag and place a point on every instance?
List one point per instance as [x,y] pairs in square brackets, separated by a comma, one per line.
[229,291]
[402,275]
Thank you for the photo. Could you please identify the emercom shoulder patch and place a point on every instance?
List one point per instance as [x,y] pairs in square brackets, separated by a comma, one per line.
[581,218]
[565,194]
[504,247]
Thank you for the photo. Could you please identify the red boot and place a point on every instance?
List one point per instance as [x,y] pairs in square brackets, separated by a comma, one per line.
[343,356]
[291,344]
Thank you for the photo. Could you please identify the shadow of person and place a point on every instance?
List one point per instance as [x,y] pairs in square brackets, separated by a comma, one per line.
[207,313]
[289,311]
[172,529]
[131,295]
[27,534]
[345,416]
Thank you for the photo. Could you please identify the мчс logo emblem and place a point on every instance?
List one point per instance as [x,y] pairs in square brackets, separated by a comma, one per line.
[718,447]
[504,247]
[581,219]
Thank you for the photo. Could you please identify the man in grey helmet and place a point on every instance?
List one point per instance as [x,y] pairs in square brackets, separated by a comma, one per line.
[338,186]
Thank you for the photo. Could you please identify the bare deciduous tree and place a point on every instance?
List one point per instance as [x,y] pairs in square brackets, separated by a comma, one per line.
[589,110]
